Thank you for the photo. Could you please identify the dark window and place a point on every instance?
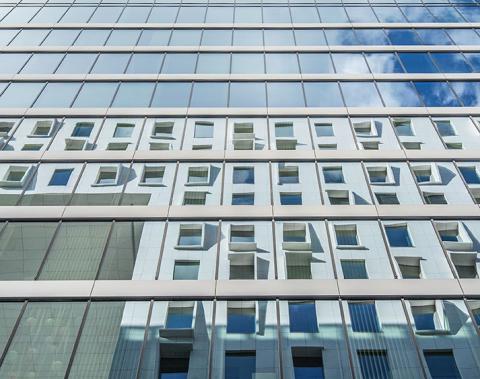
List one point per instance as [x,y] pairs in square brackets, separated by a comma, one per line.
[363,317]
[82,129]
[354,269]
[243,199]
[241,320]
[243,175]
[441,365]
[374,364]
[240,364]
[470,175]
[398,236]
[307,363]
[290,198]
[303,317]
[60,177]
[179,317]
[387,198]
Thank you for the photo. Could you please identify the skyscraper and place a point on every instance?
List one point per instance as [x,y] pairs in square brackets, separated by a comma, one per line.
[240,189]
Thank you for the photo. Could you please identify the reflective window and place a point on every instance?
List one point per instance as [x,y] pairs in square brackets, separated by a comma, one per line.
[441,364]
[363,316]
[303,317]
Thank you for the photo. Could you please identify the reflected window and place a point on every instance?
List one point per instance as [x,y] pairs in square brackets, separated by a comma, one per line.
[123,130]
[445,128]
[346,235]
[354,269]
[190,235]
[363,317]
[241,317]
[324,130]
[60,177]
[178,316]
[290,198]
[333,175]
[403,127]
[374,364]
[470,174]
[82,129]
[307,362]
[398,236]
[186,270]
[243,175]
[436,94]
[441,364]
[203,130]
[243,198]
[303,317]
[240,364]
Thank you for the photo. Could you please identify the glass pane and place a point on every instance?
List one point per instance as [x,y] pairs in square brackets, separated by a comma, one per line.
[95,95]
[436,94]
[171,95]
[57,95]
[361,94]
[19,95]
[133,95]
[285,95]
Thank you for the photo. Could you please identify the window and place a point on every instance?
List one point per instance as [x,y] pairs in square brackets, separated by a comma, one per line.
[123,131]
[398,236]
[240,364]
[201,147]
[324,130]
[296,236]
[5,128]
[346,235]
[160,146]
[374,364]
[173,364]
[454,145]
[107,176]
[203,130]
[303,317]
[445,128]
[243,198]
[243,136]
[387,198]
[441,364]
[338,197]
[82,129]
[298,266]
[307,362]
[378,175]
[198,176]
[470,174]
[241,317]
[465,265]
[290,198]
[424,316]
[363,317]
[287,174]
[179,316]
[353,269]
[333,175]
[118,146]
[423,174]
[152,176]
[60,177]
[32,147]
[16,176]
[284,130]
[162,129]
[243,175]
[186,270]
[190,236]
[365,128]
[194,198]
[42,129]
[412,145]
[327,146]
[240,269]
[403,127]
[242,237]
[434,198]
[409,267]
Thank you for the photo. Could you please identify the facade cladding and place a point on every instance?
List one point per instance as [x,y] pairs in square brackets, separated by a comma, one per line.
[240,190]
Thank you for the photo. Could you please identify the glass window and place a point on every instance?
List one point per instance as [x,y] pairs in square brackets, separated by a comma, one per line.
[185,37]
[19,95]
[467,92]
[470,174]
[285,94]
[464,36]
[436,94]
[371,37]
[123,37]
[341,37]
[57,95]
[304,14]
[361,14]
[95,95]
[281,63]
[323,94]
[179,317]
[78,63]
[387,198]
[398,236]
[91,37]
[276,14]
[346,235]
[434,198]
[171,94]
[203,129]
[240,318]
[350,63]
[290,198]
[374,364]
[434,37]
[360,94]
[417,14]
[163,14]
[403,37]
[83,129]
[243,199]
[111,63]
[240,364]
[186,270]
[315,63]
[217,37]
[49,15]
[403,128]
[30,37]
[424,317]
[135,14]
[248,63]
[409,267]
[245,37]
[441,364]
[78,14]
[60,177]
[417,62]
[248,14]
[219,14]
[123,130]
[333,175]
[451,62]
[307,363]
[310,37]
[333,14]
[61,37]
[6,36]
[205,94]
[278,37]
[179,63]
[399,94]
[303,317]
[42,64]
[212,63]
[12,63]
[363,317]
[445,128]
[384,63]
[105,14]
[154,37]
[324,130]
[247,94]
[389,14]
[353,269]
[288,175]
[243,175]
[134,95]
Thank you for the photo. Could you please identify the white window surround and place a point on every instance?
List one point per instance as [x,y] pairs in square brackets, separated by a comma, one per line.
[431,168]
[162,130]
[389,178]
[42,129]
[147,170]
[464,242]
[346,227]
[187,333]
[107,176]
[204,170]
[242,245]
[75,143]
[296,244]
[16,176]
[439,318]
[365,128]
[191,227]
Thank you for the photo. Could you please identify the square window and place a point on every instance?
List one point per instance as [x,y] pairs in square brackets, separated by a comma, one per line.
[303,317]
[123,130]
[294,232]
[287,174]
[465,265]
[338,197]
[203,130]
[346,235]
[243,198]
[15,176]
[434,198]
[470,174]
[387,198]
[60,177]
[403,127]
[307,362]
[333,175]
[241,317]
[242,234]
[198,176]
[409,267]
[173,366]
[284,130]
[194,198]
[445,128]
[363,316]
[398,236]
[152,175]
[365,129]
[32,147]
[82,129]
[441,364]
[186,270]
[240,364]
[324,130]
[374,364]
[290,198]
[5,128]
[378,175]
[243,175]
[354,269]
[162,129]
[179,317]
[298,266]
[107,176]
[42,129]
[423,174]
[424,317]
[190,236]
[242,271]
